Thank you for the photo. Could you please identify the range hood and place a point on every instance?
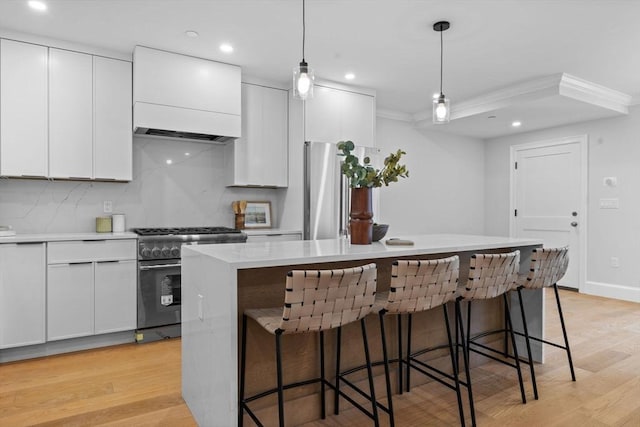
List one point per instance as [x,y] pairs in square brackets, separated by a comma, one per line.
[183,97]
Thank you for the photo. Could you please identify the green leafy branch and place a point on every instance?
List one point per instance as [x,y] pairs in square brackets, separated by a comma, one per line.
[365,175]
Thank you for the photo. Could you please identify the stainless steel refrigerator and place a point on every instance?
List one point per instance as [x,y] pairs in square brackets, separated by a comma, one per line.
[326,190]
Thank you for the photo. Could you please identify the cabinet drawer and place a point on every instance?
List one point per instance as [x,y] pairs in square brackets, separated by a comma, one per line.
[91,250]
[273,237]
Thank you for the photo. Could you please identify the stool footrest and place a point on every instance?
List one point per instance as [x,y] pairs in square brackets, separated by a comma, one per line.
[359,391]
[286,387]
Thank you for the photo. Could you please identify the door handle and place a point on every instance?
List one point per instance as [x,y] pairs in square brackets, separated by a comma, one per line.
[574,224]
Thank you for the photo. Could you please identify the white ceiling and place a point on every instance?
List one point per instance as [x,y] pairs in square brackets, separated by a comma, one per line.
[388,44]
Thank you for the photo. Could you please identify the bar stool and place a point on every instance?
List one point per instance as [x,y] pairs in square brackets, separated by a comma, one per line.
[315,301]
[490,276]
[416,286]
[547,267]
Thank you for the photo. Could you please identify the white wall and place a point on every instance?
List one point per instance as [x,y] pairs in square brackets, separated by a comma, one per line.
[189,192]
[614,150]
[445,189]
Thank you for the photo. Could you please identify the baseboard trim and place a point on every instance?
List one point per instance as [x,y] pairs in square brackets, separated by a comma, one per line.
[66,346]
[610,290]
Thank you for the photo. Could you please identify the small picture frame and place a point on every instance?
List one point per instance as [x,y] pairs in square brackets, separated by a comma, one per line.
[257,215]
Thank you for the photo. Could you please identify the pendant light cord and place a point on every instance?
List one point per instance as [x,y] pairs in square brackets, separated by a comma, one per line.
[441,60]
[303,30]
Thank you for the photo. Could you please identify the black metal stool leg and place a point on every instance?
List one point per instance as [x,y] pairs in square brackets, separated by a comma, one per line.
[456,380]
[374,405]
[564,332]
[243,365]
[336,401]
[515,349]
[323,380]
[385,358]
[400,360]
[279,379]
[465,356]
[528,342]
[505,341]
[409,325]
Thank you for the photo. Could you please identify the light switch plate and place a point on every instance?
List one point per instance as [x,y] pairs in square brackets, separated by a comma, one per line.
[107,206]
[609,204]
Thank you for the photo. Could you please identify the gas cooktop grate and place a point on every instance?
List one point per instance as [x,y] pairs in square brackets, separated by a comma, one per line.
[168,231]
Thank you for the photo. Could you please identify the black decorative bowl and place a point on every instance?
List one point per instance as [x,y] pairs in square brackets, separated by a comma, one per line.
[379,231]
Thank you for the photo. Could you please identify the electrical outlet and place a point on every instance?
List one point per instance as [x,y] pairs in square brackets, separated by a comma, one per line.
[614,262]
[107,206]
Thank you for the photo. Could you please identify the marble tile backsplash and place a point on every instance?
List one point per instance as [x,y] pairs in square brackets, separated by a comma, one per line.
[175,183]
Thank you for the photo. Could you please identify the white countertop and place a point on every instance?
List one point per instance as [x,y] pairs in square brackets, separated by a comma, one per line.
[60,237]
[267,254]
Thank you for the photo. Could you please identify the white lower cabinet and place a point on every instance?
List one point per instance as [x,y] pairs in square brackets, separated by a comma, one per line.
[115,296]
[22,294]
[91,288]
[70,297]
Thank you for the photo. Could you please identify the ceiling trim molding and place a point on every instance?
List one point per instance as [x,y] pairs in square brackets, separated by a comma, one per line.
[592,93]
[556,84]
[394,115]
[65,45]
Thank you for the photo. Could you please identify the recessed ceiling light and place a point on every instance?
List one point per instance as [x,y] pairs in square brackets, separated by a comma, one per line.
[226,48]
[192,34]
[516,124]
[349,76]
[169,161]
[37,5]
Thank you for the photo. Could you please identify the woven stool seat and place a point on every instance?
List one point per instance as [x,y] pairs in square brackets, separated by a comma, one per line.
[417,286]
[314,301]
[548,266]
[490,276]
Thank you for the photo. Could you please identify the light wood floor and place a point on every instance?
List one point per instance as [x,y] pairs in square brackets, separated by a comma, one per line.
[139,385]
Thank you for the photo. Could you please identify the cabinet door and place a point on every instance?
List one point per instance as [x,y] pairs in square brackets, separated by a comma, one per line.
[260,156]
[71,114]
[22,294]
[112,119]
[274,147]
[334,115]
[322,115]
[115,296]
[23,109]
[70,299]
[358,118]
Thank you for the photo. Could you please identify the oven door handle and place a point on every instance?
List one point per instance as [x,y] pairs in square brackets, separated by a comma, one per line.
[158,267]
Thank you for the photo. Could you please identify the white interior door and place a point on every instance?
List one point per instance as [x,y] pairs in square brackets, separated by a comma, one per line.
[549,187]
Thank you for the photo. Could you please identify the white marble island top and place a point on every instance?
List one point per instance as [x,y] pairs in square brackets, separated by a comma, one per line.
[267,254]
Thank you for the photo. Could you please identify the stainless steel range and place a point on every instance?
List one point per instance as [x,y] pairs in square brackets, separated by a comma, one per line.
[159,285]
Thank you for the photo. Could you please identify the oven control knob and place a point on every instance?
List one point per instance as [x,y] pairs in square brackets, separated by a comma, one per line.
[155,252]
[145,252]
[166,252]
[175,251]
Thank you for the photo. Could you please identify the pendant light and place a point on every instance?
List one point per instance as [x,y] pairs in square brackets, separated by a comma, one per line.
[441,107]
[303,75]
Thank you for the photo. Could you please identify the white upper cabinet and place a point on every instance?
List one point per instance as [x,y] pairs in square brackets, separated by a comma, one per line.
[166,78]
[112,119]
[260,156]
[334,115]
[23,109]
[64,114]
[70,114]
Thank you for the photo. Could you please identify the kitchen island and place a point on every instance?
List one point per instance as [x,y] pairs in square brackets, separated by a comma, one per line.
[220,281]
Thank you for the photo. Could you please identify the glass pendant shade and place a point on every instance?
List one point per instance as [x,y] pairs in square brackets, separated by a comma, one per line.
[303,81]
[441,109]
